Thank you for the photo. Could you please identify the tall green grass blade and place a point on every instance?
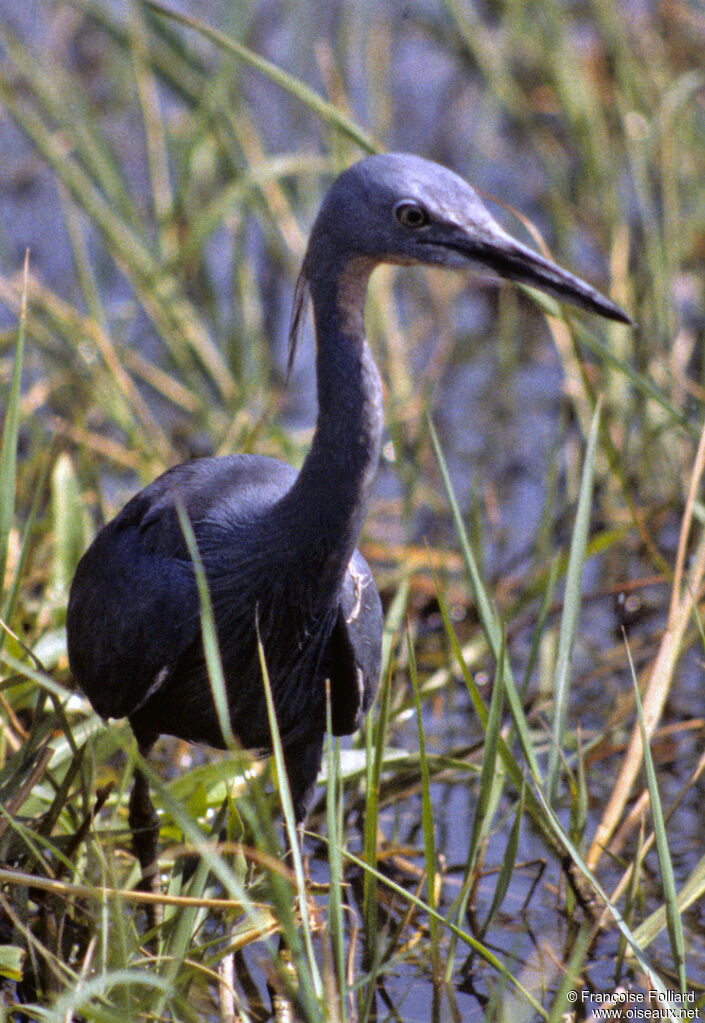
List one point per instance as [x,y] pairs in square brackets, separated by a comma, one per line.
[614,912]
[310,997]
[69,525]
[375,759]
[511,765]
[571,606]
[479,40]
[630,903]
[155,135]
[82,262]
[248,182]
[562,1007]
[374,745]
[181,935]
[335,860]
[429,841]
[692,891]
[486,796]
[13,589]
[88,995]
[393,623]
[489,618]
[674,923]
[182,926]
[539,630]
[217,865]
[160,292]
[210,638]
[477,946]
[180,67]
[11,962]
[539,809]
[66,105]
[10,434]
[578,813]
[641,382]
[492,777]
[506,870]
[325,110]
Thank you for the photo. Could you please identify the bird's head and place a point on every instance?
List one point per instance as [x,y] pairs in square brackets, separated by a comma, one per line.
[398,208]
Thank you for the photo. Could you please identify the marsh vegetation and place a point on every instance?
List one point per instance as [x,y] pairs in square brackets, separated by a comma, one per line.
[494,839]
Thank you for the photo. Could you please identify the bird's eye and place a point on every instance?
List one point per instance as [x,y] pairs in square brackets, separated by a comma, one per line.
[410,214]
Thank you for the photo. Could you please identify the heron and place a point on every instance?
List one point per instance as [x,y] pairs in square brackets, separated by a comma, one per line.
[279,547]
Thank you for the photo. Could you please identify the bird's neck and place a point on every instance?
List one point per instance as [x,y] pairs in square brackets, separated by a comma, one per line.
[333,488]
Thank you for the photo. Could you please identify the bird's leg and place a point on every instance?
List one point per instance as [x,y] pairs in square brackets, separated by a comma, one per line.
[144,826]
[303,762]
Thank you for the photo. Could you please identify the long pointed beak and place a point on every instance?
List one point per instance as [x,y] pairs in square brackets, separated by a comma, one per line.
[517,262]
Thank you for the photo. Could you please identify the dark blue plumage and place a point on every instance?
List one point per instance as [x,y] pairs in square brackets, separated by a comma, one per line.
[276,545]
[134,619]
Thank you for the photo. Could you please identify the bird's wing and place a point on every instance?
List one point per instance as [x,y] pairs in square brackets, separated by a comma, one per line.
[130,611]
[137,576]
[355,648]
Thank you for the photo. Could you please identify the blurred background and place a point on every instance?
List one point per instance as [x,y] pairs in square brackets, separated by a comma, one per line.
[163,186]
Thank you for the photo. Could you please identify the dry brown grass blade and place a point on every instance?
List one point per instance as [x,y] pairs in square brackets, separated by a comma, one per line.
[18,878]
[77,325]
[635,815]
[683,598]
[16,800]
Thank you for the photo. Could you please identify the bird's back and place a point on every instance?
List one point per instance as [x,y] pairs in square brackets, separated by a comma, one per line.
[134,629]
